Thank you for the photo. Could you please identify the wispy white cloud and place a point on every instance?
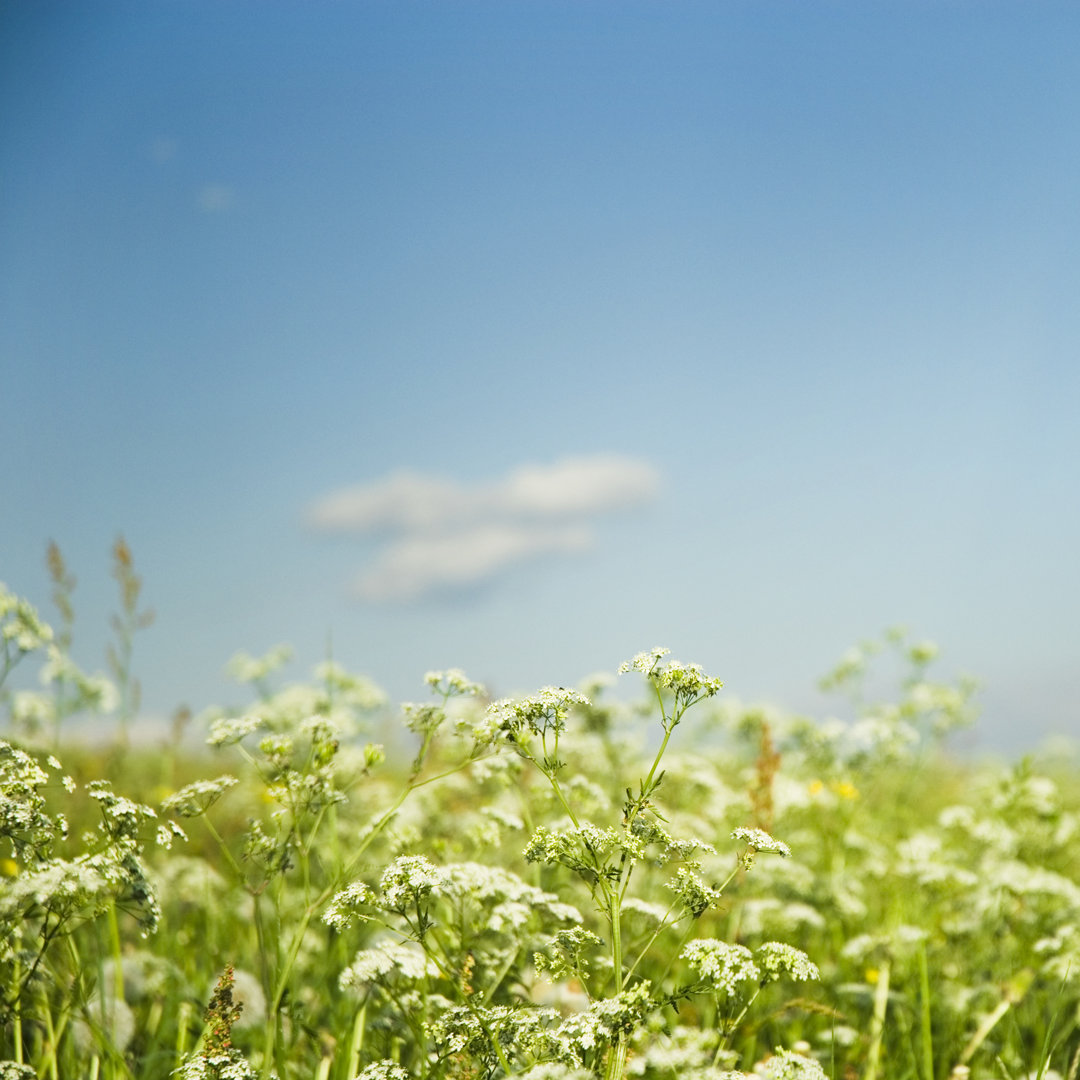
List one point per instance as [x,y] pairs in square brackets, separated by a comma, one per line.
[440,534]
[409,500]
[215,198]
[417,565]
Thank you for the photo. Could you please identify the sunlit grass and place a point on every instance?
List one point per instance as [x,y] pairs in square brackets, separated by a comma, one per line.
[553,886]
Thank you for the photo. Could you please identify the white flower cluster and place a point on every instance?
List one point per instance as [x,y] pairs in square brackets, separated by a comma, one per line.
[543,712]
[344,909]
[787,1065]
[229,1066]
[228,731]
[404,961]
[581,849]
[567,953]
[197,797]
[686,681]
[12,1070]
[600,1024]
[724,966]
[760,840]
[454,683]
[123,814]
[408,880]
[777,959]
[24,822]
[512,902]
[694,895]
[383,1070]
[168,833]
[20,623]
[468,1030]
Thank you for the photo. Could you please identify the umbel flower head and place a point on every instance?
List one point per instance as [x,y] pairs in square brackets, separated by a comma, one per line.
[686,681]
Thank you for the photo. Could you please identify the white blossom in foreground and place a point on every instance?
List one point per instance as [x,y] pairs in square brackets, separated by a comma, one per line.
[686,681]
[345,908]
[400,960]
[229,1066]
[407,880]
[723,965]
[760,840]
[12,1070]
[454,682]
[787,1065]
[777,959]
[227,731]
[196,798]
[383,1070]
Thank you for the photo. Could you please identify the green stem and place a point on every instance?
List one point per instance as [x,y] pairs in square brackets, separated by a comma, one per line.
[927,1032]
[877,1023]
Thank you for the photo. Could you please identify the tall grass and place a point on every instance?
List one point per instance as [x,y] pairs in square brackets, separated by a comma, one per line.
[552,886]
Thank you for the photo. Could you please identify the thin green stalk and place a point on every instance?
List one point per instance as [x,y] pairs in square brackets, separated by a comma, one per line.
[356,1041]
[183,1019]
[16,1008]
[924,1014]
[877,1022]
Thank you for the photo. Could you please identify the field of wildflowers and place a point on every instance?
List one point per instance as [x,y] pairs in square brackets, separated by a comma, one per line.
[556,886]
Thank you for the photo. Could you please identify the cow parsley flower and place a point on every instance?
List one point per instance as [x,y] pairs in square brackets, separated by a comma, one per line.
[777,959]
[169,832]
[383,1070]
[21,624]
[759,840]
[693,893]
[197,797]
[344,909]
[229,731]
[686,681]
[407,880]
[453,682]
[543,712]
[721,964]
[12,1070]
[403,961]
[601,1024]
[787,1065]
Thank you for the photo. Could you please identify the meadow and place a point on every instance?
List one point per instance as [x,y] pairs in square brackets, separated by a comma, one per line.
[632,878]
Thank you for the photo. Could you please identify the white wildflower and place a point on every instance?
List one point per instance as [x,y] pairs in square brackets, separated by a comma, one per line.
[227,731]
[197,797]
[786,1065]
[404,960]
[686,681]
[383,1070]
[167,833]
[723,965]
[344,909]
[454,682]
[777,959]
[407,880]
[760,840]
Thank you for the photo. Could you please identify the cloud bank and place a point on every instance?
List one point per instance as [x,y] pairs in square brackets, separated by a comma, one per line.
[439,534]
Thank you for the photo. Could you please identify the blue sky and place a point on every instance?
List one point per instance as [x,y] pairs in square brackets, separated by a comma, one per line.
[524,336]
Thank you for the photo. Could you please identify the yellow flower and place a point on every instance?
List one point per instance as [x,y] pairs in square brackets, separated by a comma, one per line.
[816,787]
[846,790]
[9,868]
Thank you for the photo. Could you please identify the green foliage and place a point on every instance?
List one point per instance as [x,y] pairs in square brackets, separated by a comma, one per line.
[551,886]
